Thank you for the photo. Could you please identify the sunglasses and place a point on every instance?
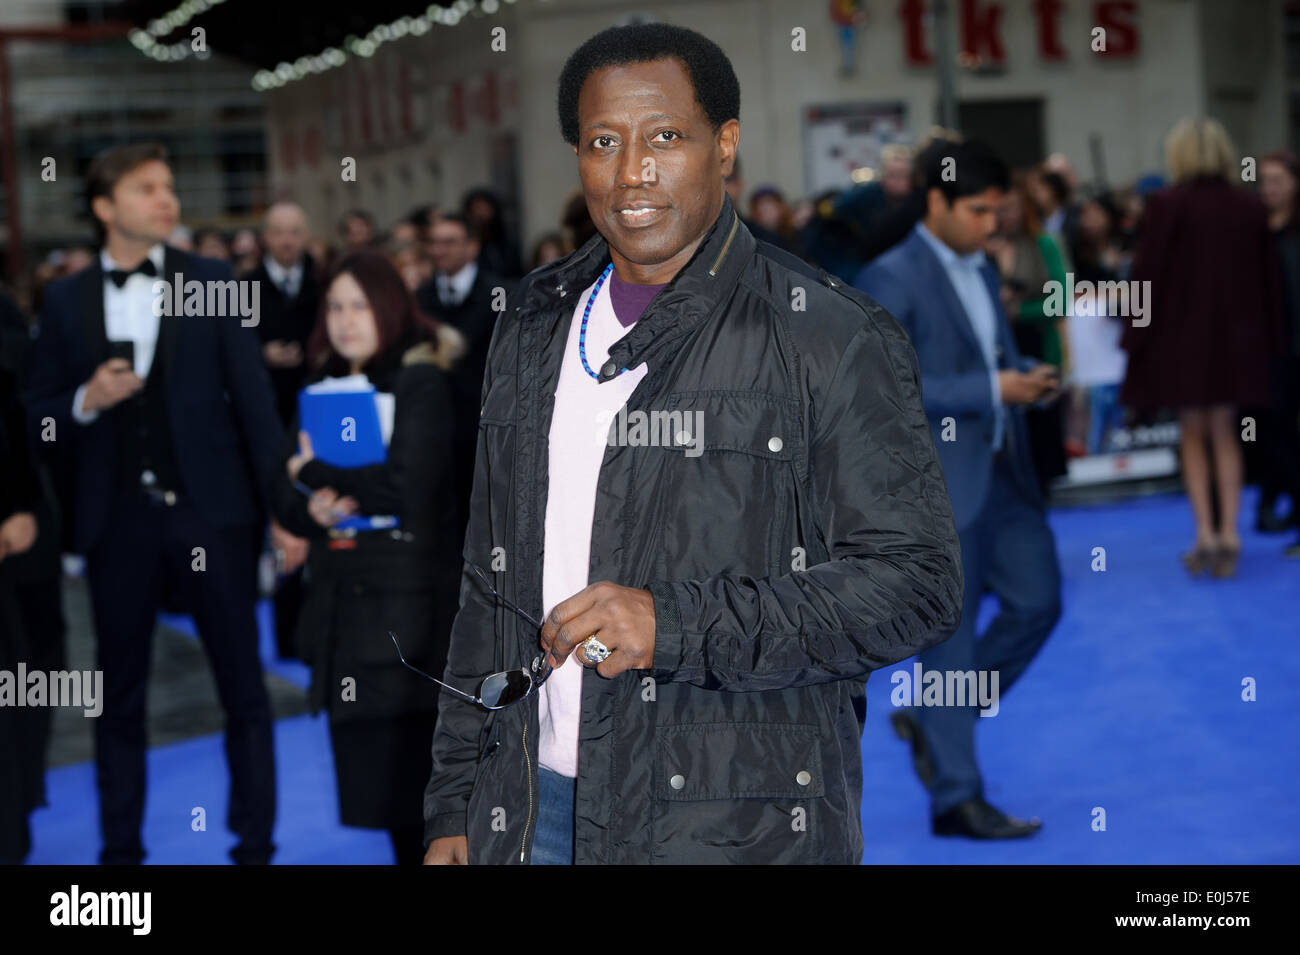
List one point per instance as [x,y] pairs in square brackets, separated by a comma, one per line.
[498,690]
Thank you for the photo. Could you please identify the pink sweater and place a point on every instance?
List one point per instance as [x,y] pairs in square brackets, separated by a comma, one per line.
[579,426]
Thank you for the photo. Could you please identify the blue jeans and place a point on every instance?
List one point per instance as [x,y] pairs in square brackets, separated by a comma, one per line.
[553,841]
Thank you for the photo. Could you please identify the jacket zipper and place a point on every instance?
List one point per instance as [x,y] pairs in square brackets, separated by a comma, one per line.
[735,223]
[528,821]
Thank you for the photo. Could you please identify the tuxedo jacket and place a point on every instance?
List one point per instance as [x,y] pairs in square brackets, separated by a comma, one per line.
[225,432]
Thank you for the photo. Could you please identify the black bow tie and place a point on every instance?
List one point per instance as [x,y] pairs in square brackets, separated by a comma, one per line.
[119,276]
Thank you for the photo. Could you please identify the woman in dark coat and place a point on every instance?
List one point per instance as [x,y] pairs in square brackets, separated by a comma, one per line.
[362,584]
[1212,325]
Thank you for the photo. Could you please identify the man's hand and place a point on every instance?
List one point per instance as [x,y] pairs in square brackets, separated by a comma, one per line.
[293,549]
[281,354]
[449,850]
[622,618]
[113,381]
[17,534]
[327,508]
[305,454]
[1023,387]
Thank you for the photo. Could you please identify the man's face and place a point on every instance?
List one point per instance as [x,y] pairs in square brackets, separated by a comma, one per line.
[1276,187]
[651,165]
[143,207]
[285,234]
[452,249]
[357,233]
[896,177]
[968,222]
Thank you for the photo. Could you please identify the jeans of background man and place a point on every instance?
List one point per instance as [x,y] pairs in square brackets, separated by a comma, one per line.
[553,841]
[1009,549]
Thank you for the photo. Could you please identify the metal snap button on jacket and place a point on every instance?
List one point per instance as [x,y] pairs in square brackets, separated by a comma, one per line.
[804,777]
[677,782]
[775,444]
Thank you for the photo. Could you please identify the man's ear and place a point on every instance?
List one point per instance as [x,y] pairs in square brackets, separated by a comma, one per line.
[936,204]
[728,145]
[102,208]
[575,149]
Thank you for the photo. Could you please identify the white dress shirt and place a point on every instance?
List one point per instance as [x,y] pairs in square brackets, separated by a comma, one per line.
[289,280]
[458,284]
[963,272]
[128,316]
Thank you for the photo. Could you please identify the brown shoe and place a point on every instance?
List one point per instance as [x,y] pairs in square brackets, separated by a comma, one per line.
[1224,563]
[1200,560]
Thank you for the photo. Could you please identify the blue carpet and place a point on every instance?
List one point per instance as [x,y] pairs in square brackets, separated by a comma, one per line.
[1134,706]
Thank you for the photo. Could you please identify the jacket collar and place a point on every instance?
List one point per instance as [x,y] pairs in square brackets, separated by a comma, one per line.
[703,283]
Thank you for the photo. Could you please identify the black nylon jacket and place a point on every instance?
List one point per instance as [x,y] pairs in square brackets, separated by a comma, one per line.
[809,542]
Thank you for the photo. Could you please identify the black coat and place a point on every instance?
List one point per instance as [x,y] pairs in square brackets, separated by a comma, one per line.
[403,580]
[814,438]
[287,320]
[474,318]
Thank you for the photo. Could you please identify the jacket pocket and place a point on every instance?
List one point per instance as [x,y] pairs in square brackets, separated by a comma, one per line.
[726,492]
[746,793]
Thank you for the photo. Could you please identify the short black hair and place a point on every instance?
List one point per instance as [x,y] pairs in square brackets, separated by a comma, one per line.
[716,87]
[459,219]
[974,168]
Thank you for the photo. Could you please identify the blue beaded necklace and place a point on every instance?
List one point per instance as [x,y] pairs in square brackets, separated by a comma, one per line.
[586,314]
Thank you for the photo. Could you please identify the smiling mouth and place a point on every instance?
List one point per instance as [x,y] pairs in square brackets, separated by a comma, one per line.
[642,216]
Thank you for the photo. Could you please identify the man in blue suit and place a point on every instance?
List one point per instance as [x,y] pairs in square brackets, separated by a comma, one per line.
[940,286]
[173,432]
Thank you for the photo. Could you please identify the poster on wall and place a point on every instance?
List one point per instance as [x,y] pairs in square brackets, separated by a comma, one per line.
[842,137]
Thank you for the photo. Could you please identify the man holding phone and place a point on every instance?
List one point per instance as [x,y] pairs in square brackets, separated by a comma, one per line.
[174,439]
[942,289]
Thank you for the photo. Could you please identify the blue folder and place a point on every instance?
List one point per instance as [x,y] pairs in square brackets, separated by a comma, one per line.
[344,427]
[345,433]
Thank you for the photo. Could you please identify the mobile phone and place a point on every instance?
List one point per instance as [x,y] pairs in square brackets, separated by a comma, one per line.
[122,349]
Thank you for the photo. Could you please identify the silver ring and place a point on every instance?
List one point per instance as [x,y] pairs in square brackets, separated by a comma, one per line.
[594,650]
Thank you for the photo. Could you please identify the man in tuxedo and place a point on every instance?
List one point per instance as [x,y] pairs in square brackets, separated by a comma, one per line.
[463,295]
[941,287]
[174,439]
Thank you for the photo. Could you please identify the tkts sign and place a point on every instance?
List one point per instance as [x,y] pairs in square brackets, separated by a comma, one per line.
[1112,31]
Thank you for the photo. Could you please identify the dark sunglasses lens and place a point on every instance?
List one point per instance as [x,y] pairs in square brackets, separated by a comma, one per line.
[502,689]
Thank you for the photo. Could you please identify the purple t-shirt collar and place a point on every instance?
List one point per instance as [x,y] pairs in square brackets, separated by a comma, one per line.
[630,301]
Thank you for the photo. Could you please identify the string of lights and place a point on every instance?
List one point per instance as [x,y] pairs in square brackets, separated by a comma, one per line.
[150,40]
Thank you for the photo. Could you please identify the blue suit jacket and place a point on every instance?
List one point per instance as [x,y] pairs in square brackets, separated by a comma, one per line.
[912,285]
[226,433]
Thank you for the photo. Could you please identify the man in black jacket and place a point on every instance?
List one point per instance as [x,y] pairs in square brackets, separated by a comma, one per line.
[469,298]
[289,301]
[780,530]
[174,435]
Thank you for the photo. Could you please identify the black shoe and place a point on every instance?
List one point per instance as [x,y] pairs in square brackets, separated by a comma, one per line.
[1268,521]
[909,731]
[976,819]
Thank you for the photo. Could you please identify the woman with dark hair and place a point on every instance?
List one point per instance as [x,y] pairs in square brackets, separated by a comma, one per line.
[1027,257]
[361,584]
